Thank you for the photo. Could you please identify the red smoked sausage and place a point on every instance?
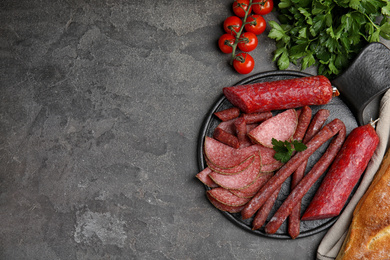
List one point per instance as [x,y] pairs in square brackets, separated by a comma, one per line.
[226,138]
[344,173]
[263,212]
[305,184]
[228,114]
[280,94]
[327,132]
[313,128]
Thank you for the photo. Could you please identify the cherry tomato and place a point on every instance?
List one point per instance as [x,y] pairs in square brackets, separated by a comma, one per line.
[258,24]
[232,25]
[262,7]
[243,63]
[247,42]
[240,6]
[225,42]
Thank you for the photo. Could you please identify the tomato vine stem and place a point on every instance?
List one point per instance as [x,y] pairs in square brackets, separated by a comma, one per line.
[238,34]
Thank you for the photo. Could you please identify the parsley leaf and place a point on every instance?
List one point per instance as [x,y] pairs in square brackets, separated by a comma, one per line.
[327,33]
[285,149]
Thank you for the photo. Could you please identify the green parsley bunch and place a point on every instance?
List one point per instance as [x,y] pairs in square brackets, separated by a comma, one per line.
[327,33]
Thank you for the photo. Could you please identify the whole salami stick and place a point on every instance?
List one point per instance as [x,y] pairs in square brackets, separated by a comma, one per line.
[264,211]
[281,94]
[313,128]
[305,184]
[327,132]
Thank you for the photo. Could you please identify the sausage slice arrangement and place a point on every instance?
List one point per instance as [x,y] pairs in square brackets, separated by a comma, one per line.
[242,174]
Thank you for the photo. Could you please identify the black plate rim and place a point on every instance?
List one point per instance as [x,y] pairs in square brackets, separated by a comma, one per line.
[201,164]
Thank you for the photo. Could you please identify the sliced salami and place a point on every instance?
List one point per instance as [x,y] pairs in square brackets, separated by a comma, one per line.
[223,207]
[281,127]
[235,170]
[241,180]
[226,197]
[252,189]
[228,126]
[271,167]
[222,155]
[204,177]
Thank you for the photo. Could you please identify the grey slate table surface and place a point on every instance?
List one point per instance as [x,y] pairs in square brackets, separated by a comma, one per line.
[101,103]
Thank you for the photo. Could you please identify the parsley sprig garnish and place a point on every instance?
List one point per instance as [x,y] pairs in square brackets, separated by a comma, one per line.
[285,149]
[327,33]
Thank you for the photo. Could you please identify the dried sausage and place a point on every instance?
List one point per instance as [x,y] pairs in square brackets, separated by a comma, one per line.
[304,185]
[226,138]
[256,117]
[281,94]
[327,132]
[315,125]
[228,114]
[263,212]
[344,174]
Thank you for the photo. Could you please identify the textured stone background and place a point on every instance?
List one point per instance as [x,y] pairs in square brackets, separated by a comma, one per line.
[101,103]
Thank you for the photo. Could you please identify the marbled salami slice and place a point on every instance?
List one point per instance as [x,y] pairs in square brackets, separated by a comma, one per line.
[226,197]
[241,180]
[204,177]
[271,167]
[231,171]
[228,126]
[223,207]
[224,156]
[252,189]
[281,127]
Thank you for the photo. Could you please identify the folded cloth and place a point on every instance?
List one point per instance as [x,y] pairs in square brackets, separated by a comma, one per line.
[334,238]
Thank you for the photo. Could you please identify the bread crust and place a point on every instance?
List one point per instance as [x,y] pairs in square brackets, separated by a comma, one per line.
[368,236]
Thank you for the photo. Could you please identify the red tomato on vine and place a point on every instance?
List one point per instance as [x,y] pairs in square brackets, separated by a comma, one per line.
[247,42]
[243,63]
[226,42]
[240,7]
[262,7]
[232,25]
[257,24]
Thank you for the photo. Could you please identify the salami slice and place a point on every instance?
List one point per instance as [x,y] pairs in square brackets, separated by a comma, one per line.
[204,177]
[271,167]
[252,189]
[281,127]
[241,180]
[226,197]
[235,170]
[222,155]
[228,126]
[223,207]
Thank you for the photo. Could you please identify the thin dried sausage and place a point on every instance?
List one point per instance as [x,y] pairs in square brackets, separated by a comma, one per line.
[327,132]
[315,125]
[304,185]
[228,114]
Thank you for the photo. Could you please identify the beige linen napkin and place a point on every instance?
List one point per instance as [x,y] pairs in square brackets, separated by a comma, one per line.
[334,238]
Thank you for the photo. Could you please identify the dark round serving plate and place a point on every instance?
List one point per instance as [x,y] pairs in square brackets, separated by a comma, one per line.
[337,108]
